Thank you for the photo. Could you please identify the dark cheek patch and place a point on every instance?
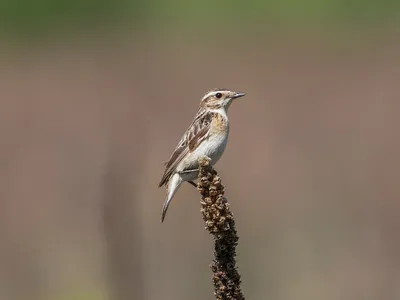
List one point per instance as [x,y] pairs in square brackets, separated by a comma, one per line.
[213,102]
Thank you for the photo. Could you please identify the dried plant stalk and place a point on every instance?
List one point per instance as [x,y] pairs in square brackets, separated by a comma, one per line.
[220,223]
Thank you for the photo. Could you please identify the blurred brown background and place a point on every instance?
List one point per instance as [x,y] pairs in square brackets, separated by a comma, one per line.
[311,170]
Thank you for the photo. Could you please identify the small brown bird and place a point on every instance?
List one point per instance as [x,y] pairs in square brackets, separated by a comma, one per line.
[206,136]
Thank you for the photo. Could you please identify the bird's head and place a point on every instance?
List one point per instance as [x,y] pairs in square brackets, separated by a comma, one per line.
[219,98]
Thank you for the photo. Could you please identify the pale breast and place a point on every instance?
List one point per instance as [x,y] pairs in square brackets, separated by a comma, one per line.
[218,137]
[219,124]
[213,146]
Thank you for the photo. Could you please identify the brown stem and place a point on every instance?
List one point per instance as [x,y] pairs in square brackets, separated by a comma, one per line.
[220,223]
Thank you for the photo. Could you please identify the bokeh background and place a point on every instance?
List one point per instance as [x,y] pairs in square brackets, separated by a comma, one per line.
[94,96]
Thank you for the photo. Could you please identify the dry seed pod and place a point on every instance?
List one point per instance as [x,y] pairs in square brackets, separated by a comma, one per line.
[220,223]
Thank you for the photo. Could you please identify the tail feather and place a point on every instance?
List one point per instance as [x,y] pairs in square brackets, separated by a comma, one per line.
[165,208]
[173,185]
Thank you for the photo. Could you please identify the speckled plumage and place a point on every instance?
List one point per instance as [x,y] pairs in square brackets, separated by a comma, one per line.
[206,136]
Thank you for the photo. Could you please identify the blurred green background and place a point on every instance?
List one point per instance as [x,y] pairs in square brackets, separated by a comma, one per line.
[26,16]
[95,95]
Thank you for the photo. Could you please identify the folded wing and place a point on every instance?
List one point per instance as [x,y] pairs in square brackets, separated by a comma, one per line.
[193,137]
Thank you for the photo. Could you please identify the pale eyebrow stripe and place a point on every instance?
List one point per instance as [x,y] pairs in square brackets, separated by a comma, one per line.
[213,93]
[208,95]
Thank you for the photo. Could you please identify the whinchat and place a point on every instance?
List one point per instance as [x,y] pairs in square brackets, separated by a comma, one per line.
[206,136]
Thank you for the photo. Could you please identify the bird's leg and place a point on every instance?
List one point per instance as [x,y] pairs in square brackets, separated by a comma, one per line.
[193,183]
[188,171]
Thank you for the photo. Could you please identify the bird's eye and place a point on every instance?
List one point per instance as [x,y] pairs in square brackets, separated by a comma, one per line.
[218,95]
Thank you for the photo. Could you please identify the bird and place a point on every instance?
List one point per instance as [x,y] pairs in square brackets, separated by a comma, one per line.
[206,136]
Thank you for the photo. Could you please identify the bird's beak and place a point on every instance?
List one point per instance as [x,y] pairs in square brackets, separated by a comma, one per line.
[238,95]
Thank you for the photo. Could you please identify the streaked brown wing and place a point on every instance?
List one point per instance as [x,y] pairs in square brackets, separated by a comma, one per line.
[198,138]
[194,135]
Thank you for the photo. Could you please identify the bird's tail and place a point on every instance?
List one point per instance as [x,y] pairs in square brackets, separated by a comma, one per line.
[174,182]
